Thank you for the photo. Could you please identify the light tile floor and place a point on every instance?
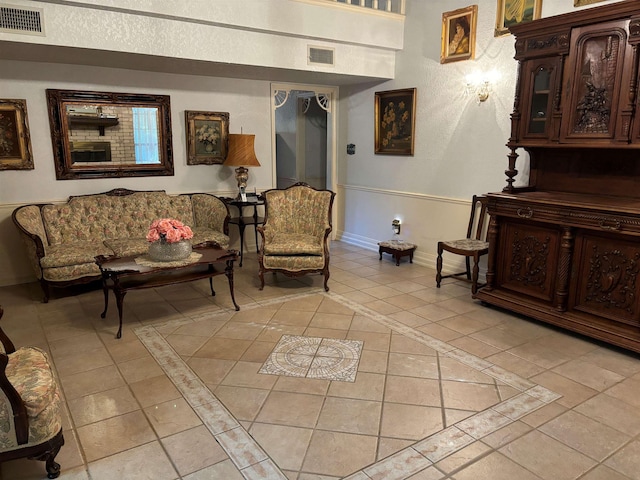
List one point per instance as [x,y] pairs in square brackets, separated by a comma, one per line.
[445,387]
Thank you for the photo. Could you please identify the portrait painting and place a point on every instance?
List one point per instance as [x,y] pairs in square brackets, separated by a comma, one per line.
[394,131]
[515,12]
[15,142]
[459,34]
[207,137]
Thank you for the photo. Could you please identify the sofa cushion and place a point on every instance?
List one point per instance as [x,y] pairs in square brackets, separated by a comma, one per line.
[293,244]
[201,235]
[73,254]
[71,272]
[123,247]
[294,263]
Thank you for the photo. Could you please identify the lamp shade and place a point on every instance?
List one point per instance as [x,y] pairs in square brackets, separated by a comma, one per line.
[241,152]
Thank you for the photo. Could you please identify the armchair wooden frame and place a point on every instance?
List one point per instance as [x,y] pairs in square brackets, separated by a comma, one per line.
[473,246]
[45,451]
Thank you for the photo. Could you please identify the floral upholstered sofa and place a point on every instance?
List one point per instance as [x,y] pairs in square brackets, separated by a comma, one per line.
[62,240]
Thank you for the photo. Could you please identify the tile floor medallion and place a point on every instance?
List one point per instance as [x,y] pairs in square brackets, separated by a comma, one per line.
[456,398]
[314,357]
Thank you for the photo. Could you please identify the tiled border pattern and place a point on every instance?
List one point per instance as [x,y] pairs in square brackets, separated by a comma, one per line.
[253,462]
[314,357]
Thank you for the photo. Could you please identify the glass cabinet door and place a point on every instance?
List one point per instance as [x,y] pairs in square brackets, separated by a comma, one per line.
[540,104]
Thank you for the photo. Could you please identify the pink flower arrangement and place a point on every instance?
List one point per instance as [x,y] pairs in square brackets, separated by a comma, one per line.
[170,229]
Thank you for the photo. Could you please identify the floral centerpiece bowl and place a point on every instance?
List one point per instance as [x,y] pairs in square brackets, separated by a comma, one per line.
[170,240]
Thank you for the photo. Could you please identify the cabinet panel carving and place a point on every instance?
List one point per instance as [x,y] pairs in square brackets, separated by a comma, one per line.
[608,274]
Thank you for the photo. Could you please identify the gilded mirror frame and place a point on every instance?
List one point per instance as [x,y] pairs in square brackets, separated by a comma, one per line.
[58,103]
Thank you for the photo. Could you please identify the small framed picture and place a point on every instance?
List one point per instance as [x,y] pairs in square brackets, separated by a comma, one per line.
[395,122]
[515,12]
[15,142]
[459,34]
[207,137]
[580,3]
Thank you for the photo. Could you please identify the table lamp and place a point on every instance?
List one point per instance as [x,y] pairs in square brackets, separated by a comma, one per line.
[241,154]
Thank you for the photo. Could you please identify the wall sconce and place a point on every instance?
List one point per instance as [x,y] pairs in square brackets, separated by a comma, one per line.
[481,84]
[395,226]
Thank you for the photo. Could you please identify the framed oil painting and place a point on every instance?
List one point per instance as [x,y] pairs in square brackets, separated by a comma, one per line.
[395,122]
[515,12]
[15,142]
[579,3]
[459,34]
[207,137]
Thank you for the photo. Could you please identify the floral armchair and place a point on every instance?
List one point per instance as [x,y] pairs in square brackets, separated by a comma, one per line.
[30,420]
[295,233]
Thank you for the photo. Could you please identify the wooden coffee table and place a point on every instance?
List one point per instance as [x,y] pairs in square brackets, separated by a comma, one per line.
[122,274]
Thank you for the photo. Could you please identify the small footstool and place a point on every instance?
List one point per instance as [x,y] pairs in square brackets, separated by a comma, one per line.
[397,248]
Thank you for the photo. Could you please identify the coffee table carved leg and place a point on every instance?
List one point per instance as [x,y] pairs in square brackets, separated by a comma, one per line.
[229,273]
[105,290]
[213,292]
[119,301]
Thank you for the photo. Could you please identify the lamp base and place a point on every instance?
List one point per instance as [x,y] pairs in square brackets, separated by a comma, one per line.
[242,175]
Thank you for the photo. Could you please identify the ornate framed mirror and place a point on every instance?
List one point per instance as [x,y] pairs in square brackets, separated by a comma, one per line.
[102,135]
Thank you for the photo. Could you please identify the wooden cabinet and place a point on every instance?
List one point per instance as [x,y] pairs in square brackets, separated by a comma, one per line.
[565,249]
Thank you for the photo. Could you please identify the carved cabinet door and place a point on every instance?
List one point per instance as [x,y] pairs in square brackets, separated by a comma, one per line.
[528,259]
[596,103]
[606,280]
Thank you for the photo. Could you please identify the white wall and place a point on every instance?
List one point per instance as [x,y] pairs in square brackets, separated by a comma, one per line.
[459,145]
[247,101]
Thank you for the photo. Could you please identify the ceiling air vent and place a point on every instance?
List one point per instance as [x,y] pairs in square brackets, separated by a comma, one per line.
[15,19]
[320,56]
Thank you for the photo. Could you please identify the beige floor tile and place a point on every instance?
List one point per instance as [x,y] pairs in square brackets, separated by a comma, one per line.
[499,338]
[602,472]
[145,461]
[540,355]
[350,416]
[211,370]
[624,363]
[627,460]
[335,321]
[294,409]
[410,319]
[129,349]
[463,457]
[434,312]
[368,386]
[552,460]
[474,347]
[613,412]
[362,323]
[469,396]
[339,454]
[409,422]
[453,416]
[515,364]
[431,473]
[406,301]
[172,417]
[495,467]
[381,292]
[223,348]
[273,332]
[413,391]
[193,450]
[258,352]
[440,332]
[404,344]
[285,445]
[185,345]
[203,328]
[329,305]
[117,434]
[413,365]
[373,362]
[452,369]
[154,390]
[297,318]
[243,403]
[572,392]
[83,362]
[93,381]
[589,374]
[592,438]
[628,391]
[245,374]
[313,386]
[464,324]
[380,306]
[389,446]
[372,340]
[102,405]
[140,369]
[544,414]
[506,434]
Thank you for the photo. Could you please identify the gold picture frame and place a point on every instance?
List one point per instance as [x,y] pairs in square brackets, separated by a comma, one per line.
[395,122]
[580,3]
[15,141]
[207,137]
[515,12]
[459,34]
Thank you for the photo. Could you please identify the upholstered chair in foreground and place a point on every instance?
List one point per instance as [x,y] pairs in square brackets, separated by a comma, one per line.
[30,420]
[295,234]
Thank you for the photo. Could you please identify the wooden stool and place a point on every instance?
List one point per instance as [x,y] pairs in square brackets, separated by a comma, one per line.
[397,248]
